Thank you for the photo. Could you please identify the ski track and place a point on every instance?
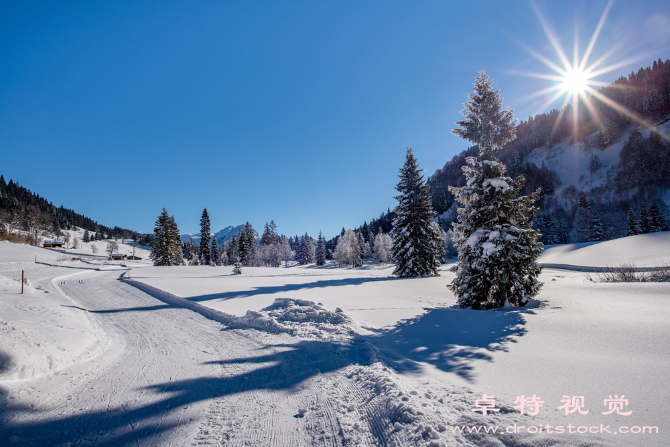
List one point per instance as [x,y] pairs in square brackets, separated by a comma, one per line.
[172,377]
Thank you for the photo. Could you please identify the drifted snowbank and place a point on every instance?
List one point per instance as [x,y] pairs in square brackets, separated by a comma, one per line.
[42,333]
[643,250]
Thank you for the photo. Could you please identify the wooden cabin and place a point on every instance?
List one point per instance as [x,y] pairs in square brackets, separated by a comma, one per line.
[118,256]
[53,244]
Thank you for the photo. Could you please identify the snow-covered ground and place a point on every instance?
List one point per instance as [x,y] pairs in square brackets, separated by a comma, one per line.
[330,356]
[643,250]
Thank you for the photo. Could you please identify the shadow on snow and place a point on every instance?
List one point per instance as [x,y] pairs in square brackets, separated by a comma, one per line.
[449,338]
[145,424]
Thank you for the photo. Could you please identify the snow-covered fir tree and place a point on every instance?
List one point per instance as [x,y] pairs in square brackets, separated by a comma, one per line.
[320,253]
[360,247]
[581,231]
[247,246]
[632,225]
[269,234]
[645,225]
[87,237]
[204,248]
[232,250]
[166,246]
[414,240]
[596,233]
[308,249]
[299,248]
[497,246]
[656,220]
[214,250]
[191,253]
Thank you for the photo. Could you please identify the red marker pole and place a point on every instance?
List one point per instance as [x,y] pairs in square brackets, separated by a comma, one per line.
[22,279]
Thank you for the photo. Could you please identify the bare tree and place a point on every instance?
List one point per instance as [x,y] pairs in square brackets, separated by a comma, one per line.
[112,247]
[383,247]
[286,255]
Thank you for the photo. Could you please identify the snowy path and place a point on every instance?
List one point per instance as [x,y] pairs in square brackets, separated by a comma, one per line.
[173,377]
[156,382]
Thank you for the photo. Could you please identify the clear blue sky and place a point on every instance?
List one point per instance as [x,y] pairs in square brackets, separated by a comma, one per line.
[294,111]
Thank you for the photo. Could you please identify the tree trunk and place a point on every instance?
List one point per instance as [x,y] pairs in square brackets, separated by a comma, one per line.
[502,287]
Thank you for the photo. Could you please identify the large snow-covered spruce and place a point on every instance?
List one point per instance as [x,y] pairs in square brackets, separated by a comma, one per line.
[497,246]
[415,240]
[166,246]
[204,248]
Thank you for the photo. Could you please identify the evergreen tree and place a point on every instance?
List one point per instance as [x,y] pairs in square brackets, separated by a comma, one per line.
[360,247]
[583,220]
[191,254]
[87,237]
[563,232]
[596,232]
[269,234]
[486,124]
[497,246]
[321,250]
[247,246]
[656,220]
[204,249]
[645,225]
[308,249]
[300,251]
[413,245]
[166,246]
[633,226]
[232,250]
[214,250]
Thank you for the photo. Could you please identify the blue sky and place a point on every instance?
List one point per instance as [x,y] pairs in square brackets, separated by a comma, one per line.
[294,111]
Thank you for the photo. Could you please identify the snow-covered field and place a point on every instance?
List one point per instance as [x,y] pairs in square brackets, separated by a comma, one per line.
[326,356]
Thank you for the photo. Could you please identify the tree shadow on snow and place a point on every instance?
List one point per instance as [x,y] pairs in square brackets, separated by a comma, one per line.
[450,338]
[291,288]
[148,424]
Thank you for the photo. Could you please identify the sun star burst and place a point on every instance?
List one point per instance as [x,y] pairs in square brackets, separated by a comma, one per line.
[574,81]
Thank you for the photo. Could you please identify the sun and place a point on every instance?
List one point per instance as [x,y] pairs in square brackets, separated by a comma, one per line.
[575,81]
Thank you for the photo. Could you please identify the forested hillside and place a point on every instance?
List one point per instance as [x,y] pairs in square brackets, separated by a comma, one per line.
[24,210]
[603,176]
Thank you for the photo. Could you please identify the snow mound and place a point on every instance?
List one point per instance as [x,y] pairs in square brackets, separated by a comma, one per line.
[303,318]
[299,318]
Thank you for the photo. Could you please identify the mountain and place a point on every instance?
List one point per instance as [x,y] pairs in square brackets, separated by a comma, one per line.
[221,236]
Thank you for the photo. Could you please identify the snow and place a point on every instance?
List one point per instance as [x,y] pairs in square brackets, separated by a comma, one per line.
[643,250]
[496,183]
[323,356]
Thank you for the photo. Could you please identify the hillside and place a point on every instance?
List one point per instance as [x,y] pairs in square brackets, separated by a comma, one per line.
[615,163]
[31,217]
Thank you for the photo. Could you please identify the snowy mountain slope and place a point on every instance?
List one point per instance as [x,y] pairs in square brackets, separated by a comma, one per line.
[572,162]
[643,250]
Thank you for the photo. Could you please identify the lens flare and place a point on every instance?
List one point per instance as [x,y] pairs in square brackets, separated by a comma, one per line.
[574,81]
